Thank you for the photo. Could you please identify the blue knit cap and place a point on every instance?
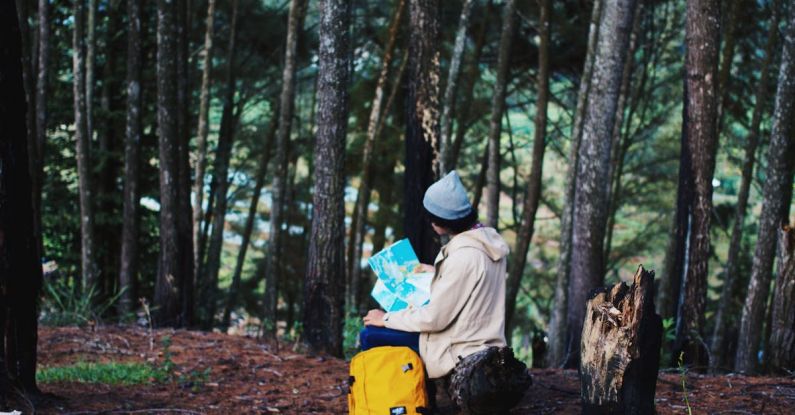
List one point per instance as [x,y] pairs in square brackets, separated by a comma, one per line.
[447,198]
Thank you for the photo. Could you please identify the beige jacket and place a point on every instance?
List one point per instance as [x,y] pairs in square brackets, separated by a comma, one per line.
[466,312]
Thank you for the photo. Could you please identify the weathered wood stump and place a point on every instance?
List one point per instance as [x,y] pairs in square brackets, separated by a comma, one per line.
[782,336]
[620,348]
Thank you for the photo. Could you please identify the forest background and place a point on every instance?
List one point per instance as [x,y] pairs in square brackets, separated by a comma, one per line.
[513,95]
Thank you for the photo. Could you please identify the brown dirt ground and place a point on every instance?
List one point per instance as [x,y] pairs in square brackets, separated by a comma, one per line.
[249,376]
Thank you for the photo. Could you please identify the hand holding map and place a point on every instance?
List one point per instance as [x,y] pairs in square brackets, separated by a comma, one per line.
[399,282]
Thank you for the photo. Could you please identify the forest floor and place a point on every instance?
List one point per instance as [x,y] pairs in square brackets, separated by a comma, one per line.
[250,376]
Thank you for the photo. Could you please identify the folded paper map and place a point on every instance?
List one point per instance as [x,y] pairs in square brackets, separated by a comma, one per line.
[399,285]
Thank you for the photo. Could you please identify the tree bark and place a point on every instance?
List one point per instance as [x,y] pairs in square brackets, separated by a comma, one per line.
[463,119]
[620,351]
[497,109]
[42,86]
[259,181]
[82,143]
[91,63]
[209,277]
[558,334]
[365,186]
[782,339]
[590,200]
[201,133]
[28,78]
[533,192]
[730,281]
[325,271]
[20,269]
[729,45]
[167,287]
[450,89]
[286,104]
[778,179]
[701,138]
[422,127]
[132,144]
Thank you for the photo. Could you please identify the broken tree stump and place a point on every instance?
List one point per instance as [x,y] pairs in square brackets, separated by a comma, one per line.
[620,348]
[782,336]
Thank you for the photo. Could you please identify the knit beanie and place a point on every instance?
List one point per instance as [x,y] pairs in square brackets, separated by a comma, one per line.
[447,198]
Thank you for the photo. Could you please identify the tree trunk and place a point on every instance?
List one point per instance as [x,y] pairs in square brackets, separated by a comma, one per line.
[129,236]
[778,179]
[590,200]
[782,339]
[701,139]
[450,89]
[91,63]
[472,76]
[209,277]
[28,78]
[497,109]
[365,186]
[82,143]
[201,134]
[730,281]
[286,104]
[533,193]
[42,85]
[325,270]
[729,43]
[167,287]
[262,170]
[422,126]
[556,354]
[184,218]
[620,351]
[20,269]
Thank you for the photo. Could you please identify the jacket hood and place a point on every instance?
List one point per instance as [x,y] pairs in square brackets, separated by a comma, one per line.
[485,239]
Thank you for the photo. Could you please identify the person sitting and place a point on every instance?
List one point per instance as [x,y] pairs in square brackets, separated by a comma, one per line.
[466,311]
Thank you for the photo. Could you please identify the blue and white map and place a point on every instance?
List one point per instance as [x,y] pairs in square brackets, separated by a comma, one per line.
[398,284]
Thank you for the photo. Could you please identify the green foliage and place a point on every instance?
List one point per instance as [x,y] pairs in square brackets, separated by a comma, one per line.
[65,305]
[112,373]
[669,335]
[350,335]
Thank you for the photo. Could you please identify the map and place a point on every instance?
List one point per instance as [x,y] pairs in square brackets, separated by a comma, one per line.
[399,285]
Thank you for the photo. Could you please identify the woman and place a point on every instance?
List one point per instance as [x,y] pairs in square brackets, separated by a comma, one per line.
[466,312]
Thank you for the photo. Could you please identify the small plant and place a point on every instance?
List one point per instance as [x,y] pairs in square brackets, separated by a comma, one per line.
[683,375]
[166,369]
[63,305]
[669,335]
[112,373]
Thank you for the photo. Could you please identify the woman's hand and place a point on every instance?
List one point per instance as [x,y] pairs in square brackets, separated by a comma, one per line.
[424,268]
[374,318]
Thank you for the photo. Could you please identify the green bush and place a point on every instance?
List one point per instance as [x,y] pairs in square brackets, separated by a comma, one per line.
[63,305]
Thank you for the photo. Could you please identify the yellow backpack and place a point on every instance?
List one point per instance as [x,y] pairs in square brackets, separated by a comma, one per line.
[387,381]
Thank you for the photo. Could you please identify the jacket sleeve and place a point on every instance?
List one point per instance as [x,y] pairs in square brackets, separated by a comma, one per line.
[458,278]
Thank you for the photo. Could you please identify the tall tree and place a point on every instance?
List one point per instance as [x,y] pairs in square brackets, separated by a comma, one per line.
[778,179]
[701,138]
[451,88]
[295,22]
[209,276]
[91,63]
[590,199]
[132,145]
[248,228]
[325,269]
[42,89]
[201,133]
[782,339]
[533,193]
[557,324]
[82,144]
[422,126]
[167,287]
[20,269]
[497,109]
[365,184]
[718,346]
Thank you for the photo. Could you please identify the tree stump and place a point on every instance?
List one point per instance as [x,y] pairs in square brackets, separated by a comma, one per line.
[782,336]
[620,348]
